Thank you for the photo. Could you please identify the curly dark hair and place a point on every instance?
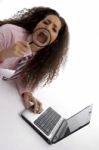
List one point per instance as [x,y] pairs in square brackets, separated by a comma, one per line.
[46,63]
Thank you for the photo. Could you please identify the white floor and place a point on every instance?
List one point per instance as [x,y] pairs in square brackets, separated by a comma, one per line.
[17,134]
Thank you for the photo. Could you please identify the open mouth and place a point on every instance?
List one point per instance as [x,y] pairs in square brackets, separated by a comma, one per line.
[41,37]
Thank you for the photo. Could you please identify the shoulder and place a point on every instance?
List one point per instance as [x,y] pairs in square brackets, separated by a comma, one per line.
[11,28]
[7,32]
[10,33]
[13,32]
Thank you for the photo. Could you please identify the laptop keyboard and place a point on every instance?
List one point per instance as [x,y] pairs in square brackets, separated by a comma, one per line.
[47,120]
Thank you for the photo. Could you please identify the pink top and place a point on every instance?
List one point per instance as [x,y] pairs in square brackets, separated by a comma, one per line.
[10,34]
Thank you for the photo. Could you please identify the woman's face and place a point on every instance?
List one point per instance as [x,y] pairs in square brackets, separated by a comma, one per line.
[50,23]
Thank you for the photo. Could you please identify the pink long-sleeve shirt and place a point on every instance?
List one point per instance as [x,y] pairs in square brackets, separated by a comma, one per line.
[10,34]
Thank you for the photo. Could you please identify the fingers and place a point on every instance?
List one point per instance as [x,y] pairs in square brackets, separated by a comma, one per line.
[21,47]
[40,106]
[37,107]
[26,104]
[23,44]
[26,101]
[29,101]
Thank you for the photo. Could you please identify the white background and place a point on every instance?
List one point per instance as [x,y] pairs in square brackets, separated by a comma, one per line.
[78,84]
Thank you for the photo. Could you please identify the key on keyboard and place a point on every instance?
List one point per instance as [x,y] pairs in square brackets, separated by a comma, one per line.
[47,120]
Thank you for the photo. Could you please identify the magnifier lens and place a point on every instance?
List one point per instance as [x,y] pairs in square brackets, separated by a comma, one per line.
[41,37]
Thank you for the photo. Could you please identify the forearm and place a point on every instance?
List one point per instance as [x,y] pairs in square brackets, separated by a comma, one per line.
[21,88]
[28,98]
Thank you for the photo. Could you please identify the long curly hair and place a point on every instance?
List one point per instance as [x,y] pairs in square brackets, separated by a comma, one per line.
[46,63]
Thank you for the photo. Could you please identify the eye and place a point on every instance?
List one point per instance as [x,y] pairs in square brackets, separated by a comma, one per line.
[47,22]
[54,29]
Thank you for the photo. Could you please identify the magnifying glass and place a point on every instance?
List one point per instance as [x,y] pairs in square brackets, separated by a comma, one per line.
[41,37]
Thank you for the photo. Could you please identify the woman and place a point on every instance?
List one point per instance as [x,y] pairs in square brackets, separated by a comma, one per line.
[40,33]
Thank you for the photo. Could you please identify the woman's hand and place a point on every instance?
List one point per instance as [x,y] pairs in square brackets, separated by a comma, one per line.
[28,98]
[18,49]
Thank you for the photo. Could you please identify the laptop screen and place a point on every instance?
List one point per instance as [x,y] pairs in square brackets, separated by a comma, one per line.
[80,119]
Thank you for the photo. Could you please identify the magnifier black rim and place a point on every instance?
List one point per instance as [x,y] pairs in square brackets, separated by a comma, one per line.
[36,43]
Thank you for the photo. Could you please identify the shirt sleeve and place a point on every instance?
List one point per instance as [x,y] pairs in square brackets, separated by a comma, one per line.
[5,37]
[20,87]
[6,40]
[2,41]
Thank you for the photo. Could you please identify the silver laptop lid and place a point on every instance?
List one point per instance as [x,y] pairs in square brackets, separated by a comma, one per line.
[80,119]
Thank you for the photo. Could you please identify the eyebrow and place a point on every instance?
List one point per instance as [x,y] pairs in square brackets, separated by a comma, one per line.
[50,22]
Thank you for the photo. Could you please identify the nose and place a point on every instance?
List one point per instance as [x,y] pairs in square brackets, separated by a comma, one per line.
[49,27]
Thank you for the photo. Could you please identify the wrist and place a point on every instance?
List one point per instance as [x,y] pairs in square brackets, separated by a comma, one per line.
[26,93]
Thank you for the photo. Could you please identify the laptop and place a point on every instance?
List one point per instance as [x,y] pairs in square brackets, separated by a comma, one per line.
[52,126]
